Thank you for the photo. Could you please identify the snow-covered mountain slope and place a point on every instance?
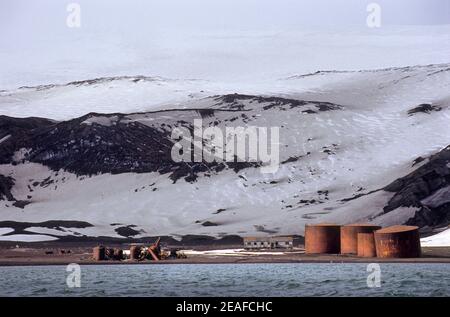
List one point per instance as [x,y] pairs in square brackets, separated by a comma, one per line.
[344,137]
[106,94]
[395,88]
[441,239]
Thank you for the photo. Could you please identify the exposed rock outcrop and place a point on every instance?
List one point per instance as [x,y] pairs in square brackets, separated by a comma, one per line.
[6,183]
[427,188]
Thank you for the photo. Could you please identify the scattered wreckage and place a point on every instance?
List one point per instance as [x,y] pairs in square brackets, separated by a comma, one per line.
[137,252]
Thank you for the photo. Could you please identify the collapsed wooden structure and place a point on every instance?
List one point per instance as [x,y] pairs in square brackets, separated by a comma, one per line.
[135,253]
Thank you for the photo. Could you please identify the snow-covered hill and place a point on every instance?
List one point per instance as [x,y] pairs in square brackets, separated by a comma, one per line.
[441,239]
[106,94]
[344,137]
[392,88]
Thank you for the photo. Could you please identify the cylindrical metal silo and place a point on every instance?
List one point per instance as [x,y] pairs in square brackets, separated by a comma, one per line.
[322,238]
[366,245]
[398,242]
[349,236]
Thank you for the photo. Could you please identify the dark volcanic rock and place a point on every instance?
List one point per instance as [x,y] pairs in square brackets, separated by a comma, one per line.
[6,183]
[89,149]
[418,160]
[20,130]
[427,188]
[21,203]
[209,224]
[114,143]
[197,240]
[20,227]
[9,125]
[127,231]
[424,108]
[278,102]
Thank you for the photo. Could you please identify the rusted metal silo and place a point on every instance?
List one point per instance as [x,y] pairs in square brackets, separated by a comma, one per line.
[398,242]
[322,238]
[135,252]
[99,253]
[349,236]
[366,245]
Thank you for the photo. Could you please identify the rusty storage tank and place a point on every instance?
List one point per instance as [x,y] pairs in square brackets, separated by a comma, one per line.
[99,253]
[135,252]
[398,242]
[322,238]
[349,236]
[366,245]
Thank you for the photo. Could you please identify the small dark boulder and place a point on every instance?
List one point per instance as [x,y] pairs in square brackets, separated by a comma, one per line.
[424,108]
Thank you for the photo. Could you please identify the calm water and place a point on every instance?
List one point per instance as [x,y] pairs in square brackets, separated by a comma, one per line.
[228,280]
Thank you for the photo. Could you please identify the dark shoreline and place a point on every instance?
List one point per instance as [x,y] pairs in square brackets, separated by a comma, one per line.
[407,261]
[82,256]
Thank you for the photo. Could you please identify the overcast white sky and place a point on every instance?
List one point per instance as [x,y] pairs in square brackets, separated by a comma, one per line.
[21,14]
[208,38]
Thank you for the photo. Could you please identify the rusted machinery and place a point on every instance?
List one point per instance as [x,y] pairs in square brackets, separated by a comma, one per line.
[110,253]
[118,254]
[398,242]
[99,253]
[155,250]
[135,252]
[152,252]
[176,254]
[366,245]
[322,238]
[349,236]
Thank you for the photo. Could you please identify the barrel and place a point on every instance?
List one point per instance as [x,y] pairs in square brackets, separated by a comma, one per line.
[322,238]
[366,245]
[349,236]
[398,242]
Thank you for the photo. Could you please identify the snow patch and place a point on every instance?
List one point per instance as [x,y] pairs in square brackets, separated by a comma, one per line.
[5,138]
[45,231]
[441,239]
[101,120]
[5,230]
[27,238]
[396,216]
[235,252]
[20,155]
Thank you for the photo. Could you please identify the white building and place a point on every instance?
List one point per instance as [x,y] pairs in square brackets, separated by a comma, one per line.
[286,242]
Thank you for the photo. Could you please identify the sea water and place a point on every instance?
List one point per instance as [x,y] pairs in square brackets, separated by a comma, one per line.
[295,279]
